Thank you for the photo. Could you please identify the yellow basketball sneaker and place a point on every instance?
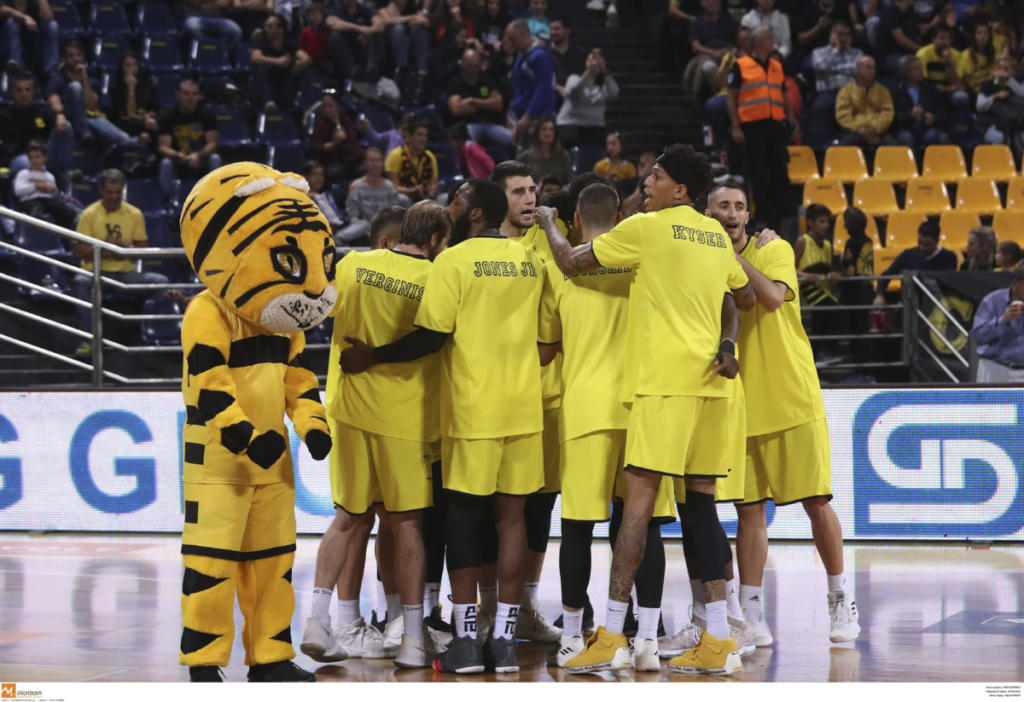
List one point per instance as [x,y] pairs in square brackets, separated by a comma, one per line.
[710,655]
[604,651]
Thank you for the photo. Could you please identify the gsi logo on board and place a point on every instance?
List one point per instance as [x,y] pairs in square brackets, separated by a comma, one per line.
[939,463]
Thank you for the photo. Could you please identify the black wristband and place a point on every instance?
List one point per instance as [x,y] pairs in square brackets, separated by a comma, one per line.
[727,346]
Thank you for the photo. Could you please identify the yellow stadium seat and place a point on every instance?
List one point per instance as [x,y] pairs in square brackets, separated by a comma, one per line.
[829,193]
[803,164]
[876,197]
[895,164]
[977,195]
[845,163]
[927,196]
[1015,194]
[1009,225]
[955,226]
[944,162]
[901,230]
[993,161]
[840,235]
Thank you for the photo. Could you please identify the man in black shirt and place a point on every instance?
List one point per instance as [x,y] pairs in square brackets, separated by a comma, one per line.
[187,138]
[23,121]
[928,256]
[279,66]
[351,25]
[569,58]
[898,35]
[475,98]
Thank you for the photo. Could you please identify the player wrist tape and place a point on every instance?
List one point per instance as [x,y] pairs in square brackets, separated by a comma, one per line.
[727,346]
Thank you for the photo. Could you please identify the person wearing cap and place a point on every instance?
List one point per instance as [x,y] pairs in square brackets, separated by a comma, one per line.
[999,332]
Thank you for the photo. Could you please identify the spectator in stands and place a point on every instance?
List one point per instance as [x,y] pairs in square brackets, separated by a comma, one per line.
[762,119]
[864,109]
[315,176]
[204,19]
[335,139]
[943,14]
[538,22]
[631,203]
[716,107]
[367,196]
[570,58]
[926,256]
[352,42]
[133,99]
[30,30]
[1000,106]
[116,222]
[1008,256]
[412,168]
[981,250]
[474,97]
[898,35]
[835,65]
[36,190]
[674,48]
[251,14]
[939,59]
[70,92]
[279,67]
[409,33]
[474,161]
[450,12]
[814,23]
[314,37]
[546,155]
[999,333]
[813,256]
[919,109]
[581,119]
[389,140]
[444,62]
[499,66]
[532,79]
[858,260]
[711,35]
[764,14]
[615,166]
[187,139]
[977,62]
[490,25]
[23,121]
[549,185]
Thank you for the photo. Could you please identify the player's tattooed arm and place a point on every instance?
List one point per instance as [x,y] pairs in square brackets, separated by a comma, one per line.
[569,259]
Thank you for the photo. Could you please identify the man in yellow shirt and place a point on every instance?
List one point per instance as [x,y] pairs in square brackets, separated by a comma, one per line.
[412,167]
[383,424]
[940,61]
[114,221]
[482,306]
[864,109]
[675,384]
[788,458]
[520,186]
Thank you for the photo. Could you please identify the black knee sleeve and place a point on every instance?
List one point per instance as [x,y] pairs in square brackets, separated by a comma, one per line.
[489,533]
[434,525]
[538,520]
[650,576]
[700,520]
[464,530]
[574,561]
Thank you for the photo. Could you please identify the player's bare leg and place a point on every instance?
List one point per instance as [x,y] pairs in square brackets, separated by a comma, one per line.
[751,556]
[828,539]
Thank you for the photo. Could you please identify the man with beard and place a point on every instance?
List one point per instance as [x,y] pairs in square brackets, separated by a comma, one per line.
[481,305]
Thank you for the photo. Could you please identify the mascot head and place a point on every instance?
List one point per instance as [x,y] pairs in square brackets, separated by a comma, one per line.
[260,244]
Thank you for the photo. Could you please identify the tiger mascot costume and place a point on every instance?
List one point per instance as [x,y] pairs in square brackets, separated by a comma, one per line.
[265,253]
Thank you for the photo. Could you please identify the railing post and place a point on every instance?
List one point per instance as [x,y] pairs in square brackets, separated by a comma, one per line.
[97,317]
[909,294]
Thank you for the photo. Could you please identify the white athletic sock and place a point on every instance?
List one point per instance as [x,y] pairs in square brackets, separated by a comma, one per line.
[750,600]
[394,606]
[505,621]
[572,623]
[382,599]
[697,590]
[647,622]
[413,616]
[836,584]
[348,611]
[431,596]
[530,599]
[732,598]
[718,625]
[322,606]
[615,618]
[488,597]
[465,619]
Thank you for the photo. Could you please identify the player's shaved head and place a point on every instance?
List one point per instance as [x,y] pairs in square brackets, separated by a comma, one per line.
[598,206]
[489,198]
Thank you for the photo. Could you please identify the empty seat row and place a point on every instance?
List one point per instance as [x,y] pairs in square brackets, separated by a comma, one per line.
[109,19]
[896,164]
[878,199]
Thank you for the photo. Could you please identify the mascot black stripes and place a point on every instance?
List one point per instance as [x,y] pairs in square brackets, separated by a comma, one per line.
[264,251]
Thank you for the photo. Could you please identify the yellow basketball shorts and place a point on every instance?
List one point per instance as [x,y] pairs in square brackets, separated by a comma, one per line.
[552,451]
[790,465]
[368,469]
[511,466]
[730,457]
[666,434]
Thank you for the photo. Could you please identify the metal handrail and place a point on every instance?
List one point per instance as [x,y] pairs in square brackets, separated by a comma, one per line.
[938,361]
[942,337]
[946,312]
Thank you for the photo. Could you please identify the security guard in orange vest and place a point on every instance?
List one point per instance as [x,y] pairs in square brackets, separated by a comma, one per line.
[761,118]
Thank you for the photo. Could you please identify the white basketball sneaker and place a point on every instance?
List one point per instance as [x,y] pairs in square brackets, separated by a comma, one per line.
[758,627]
[415,652]
[319,644]
[672,646]
[568,647]
[843,618]
[644,654]
[360,640]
